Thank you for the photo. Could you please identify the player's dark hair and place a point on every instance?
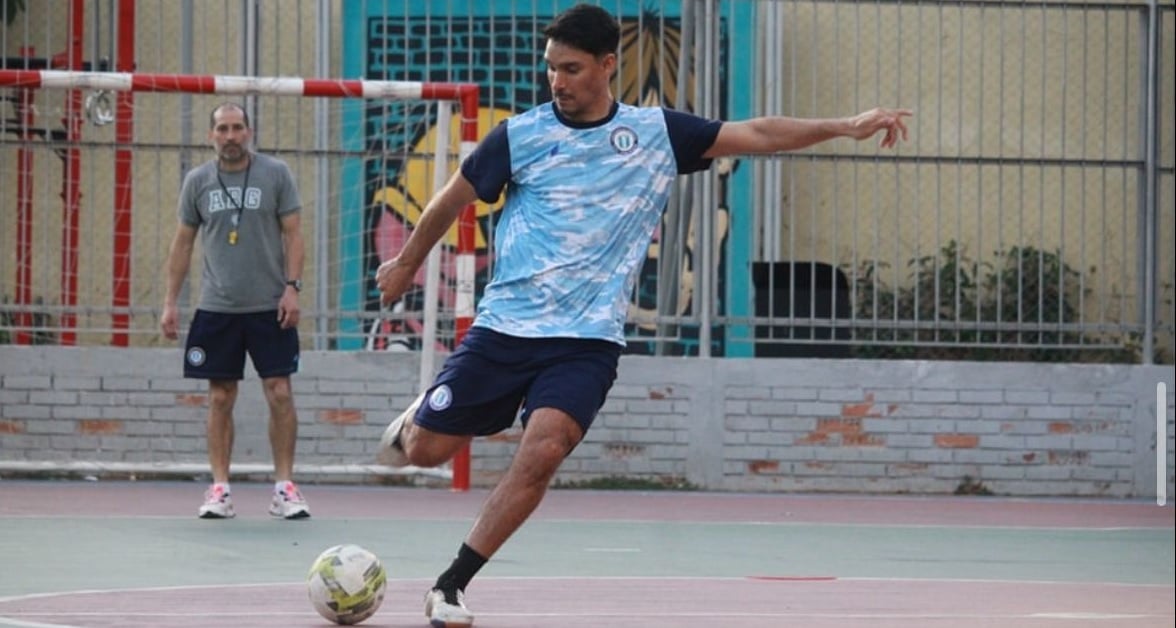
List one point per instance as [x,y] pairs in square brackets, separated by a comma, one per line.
[586,27]
[227,105]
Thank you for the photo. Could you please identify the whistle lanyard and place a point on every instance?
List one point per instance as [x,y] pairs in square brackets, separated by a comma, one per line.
[238,205]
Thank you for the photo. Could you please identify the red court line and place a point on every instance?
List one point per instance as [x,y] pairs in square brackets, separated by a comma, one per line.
[793,578]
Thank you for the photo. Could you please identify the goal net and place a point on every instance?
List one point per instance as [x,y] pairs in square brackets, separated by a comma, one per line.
[92,164]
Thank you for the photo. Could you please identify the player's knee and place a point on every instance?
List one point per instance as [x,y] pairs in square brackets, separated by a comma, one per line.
[277,391]
[552,451]
[542,457]
[535,466]
[221,398]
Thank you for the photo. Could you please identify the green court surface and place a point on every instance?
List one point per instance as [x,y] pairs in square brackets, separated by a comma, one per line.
[91,548]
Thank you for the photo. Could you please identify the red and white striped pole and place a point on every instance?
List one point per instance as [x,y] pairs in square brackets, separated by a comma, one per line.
[237,85]
[466,264]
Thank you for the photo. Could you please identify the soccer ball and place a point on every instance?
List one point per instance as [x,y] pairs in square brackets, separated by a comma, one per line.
[346,584]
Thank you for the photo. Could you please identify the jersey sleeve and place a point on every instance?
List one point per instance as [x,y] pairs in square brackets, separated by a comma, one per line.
[189,214]
[288,198]
[488,167]
[690,136]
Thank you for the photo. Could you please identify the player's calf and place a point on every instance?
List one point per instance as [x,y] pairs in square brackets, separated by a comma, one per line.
[391,451]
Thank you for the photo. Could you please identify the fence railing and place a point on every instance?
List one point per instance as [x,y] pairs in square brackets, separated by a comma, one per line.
[1029,217]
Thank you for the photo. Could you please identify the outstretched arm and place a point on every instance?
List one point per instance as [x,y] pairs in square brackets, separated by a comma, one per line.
[775,134]
[395,276]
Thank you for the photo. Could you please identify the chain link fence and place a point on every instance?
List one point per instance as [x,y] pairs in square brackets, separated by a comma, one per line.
[1029,217]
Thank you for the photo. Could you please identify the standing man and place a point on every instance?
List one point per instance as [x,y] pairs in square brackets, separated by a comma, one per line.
[586,181]
[246,206]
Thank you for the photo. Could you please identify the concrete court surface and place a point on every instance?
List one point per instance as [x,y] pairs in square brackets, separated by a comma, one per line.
[132,554]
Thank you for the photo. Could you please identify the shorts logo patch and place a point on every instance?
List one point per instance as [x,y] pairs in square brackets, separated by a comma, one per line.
[196,356]
[440,398]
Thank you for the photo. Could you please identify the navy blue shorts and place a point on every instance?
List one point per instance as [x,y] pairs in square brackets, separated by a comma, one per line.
[492,379]
[217,344]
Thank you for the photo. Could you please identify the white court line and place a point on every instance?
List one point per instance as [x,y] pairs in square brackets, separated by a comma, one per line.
[10,620]
[646,522]
[178,587]
[824,579]
[613,550]
[16,623]
[1143,585]
[630,615]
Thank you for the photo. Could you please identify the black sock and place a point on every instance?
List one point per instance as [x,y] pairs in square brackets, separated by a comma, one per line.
[460,572]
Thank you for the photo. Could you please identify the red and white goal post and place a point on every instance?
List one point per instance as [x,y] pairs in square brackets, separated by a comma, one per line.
[106,287]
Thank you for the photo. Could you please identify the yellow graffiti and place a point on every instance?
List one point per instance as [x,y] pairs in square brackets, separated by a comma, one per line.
[414,185]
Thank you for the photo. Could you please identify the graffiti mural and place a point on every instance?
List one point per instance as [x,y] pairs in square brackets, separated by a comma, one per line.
[503,54]
[395,201]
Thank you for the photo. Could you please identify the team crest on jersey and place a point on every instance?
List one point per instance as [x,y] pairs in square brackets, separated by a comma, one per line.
[623,139]
[440,398]
[196,356]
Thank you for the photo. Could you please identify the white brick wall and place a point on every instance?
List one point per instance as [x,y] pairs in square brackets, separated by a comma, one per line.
[721,424]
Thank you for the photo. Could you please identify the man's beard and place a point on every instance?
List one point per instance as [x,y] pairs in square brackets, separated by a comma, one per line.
[229,156]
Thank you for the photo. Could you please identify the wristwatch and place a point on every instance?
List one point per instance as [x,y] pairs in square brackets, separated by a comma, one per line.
[295,283]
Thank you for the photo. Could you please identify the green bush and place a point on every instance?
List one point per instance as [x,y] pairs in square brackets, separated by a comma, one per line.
[41,321]
[1021,285]
[11,8]
[6,323]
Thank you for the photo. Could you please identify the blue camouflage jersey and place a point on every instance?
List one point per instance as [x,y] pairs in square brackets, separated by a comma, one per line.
[582,203]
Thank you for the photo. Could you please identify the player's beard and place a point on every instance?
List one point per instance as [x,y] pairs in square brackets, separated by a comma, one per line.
[568,106]
[578,109]
[233,154]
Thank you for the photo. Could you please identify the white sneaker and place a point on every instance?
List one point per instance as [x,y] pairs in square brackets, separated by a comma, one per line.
[288,503]
[447,613]
[218,503]
[391,453]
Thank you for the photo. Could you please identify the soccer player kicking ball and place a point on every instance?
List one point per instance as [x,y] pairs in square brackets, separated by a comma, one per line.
[586,181]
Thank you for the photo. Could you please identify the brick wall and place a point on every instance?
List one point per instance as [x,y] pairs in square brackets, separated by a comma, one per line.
[734,424]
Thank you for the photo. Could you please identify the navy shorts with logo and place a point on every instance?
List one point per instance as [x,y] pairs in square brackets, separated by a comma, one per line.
[492,379]
[217,344]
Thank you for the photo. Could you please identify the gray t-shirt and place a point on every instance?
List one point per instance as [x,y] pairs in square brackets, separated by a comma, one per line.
[248,276]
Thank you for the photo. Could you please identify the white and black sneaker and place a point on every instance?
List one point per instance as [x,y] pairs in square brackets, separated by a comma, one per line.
[288,502]
[218,503]
[391,452]
[446,609]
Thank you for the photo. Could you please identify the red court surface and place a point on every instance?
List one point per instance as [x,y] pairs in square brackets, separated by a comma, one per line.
[127,554]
